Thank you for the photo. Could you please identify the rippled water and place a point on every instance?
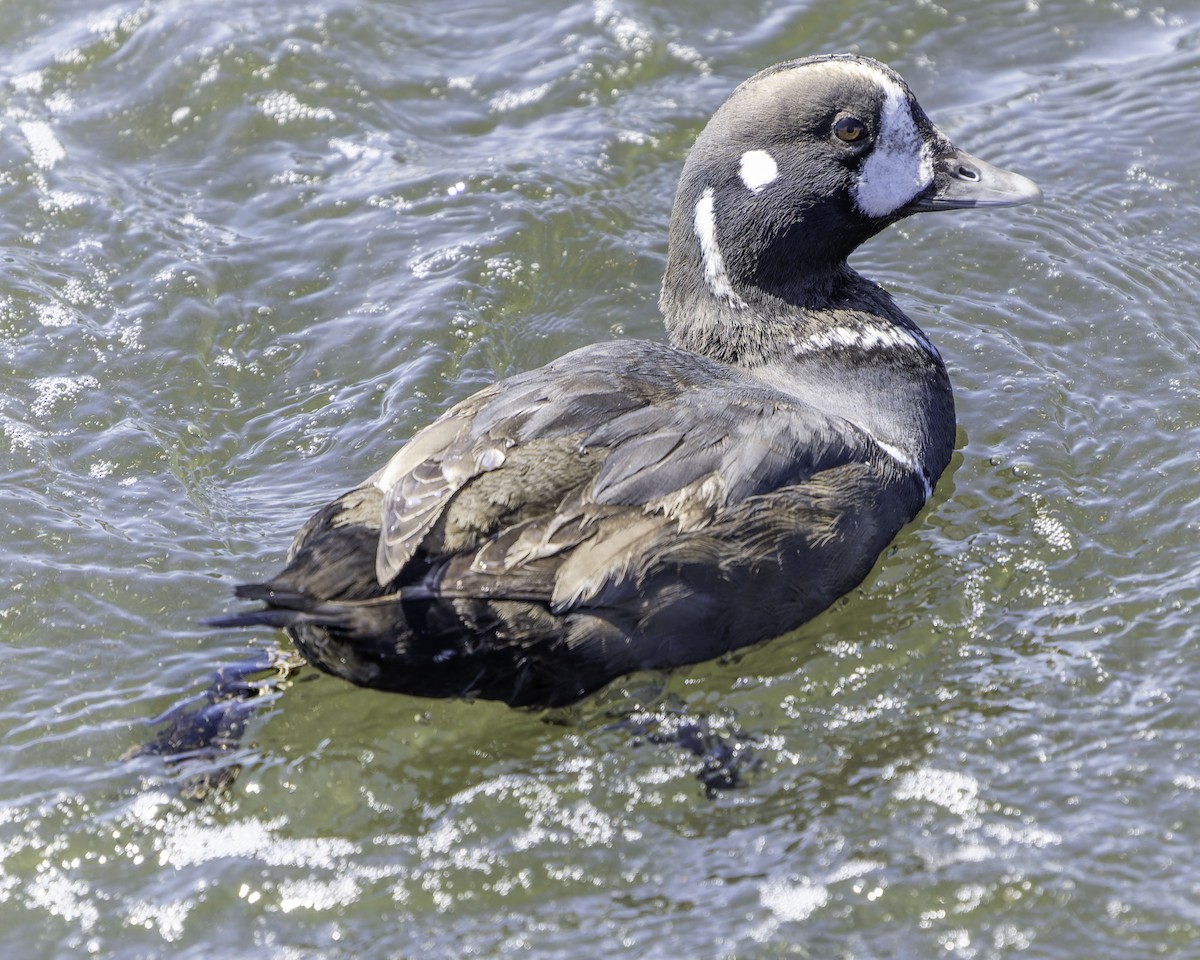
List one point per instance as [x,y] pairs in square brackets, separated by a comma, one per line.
[248,247]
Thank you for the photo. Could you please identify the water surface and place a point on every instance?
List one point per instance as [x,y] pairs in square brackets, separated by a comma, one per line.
[249,247]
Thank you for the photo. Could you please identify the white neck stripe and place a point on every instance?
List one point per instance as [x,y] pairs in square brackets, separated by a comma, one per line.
[864,338]
[705,224]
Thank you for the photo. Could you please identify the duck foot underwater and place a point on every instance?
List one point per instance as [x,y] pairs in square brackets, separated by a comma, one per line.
[202,735]
[726,753]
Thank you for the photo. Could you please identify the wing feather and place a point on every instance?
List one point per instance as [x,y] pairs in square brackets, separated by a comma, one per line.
[563,480]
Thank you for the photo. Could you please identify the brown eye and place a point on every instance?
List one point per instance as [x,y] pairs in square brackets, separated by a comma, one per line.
[849,129]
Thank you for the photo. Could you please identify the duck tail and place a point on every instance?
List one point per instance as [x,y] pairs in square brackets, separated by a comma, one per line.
[276,617]
[284,608]
[288,607]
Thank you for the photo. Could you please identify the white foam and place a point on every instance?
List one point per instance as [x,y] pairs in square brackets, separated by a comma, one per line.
[793,902]
[31,82]
[630,35]
[50,390]
[1052,530]
[955,792]
[355,151]
[757,169]
[186,843]
[54,314]
[168,918]
[515,99]
[58,894]
[284,107]
[43,144]
[313,894]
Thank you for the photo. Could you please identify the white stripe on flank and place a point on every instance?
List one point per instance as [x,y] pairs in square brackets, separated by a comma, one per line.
[908,463]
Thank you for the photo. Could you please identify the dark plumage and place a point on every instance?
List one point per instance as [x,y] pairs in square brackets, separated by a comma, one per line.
[637,505]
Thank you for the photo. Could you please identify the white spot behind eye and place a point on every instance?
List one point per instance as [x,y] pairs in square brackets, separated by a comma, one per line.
[705,225]
[757,169]
[900,166]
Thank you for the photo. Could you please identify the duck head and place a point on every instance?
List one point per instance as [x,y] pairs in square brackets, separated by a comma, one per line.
[804,162]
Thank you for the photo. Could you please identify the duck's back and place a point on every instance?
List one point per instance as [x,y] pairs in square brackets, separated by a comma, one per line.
[631,505]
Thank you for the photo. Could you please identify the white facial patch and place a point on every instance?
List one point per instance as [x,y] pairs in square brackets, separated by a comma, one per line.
[757,169]
[901,165]
[705,225]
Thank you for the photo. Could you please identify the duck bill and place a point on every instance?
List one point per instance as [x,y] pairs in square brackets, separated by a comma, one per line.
[961,180]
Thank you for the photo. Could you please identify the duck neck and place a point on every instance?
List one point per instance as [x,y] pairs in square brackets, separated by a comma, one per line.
[837,342]
[748,325]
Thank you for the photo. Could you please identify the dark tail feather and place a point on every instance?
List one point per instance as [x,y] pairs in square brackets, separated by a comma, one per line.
[255,618]
[285,608]
[275,595]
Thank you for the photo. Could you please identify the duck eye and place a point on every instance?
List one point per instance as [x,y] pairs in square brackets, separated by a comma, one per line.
[849,129]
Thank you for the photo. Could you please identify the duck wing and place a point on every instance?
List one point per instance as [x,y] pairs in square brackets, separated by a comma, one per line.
[563,485]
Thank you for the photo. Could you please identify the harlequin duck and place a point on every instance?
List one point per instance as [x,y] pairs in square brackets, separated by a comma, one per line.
[637,505]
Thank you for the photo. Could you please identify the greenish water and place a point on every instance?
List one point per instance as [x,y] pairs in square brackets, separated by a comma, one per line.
[247,248]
